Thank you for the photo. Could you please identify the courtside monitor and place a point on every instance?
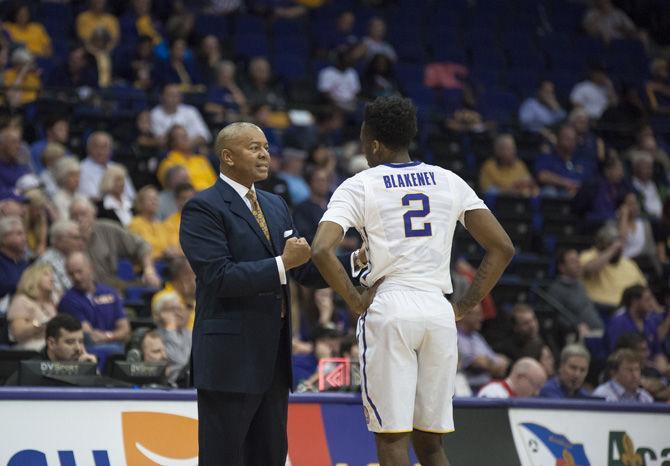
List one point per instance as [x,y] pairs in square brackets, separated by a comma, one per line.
[139,373]
[49,373]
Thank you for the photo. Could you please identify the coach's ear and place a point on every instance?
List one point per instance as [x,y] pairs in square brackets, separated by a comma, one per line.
[226,158]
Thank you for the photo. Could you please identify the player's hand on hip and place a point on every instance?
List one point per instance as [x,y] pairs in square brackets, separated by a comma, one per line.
[366,298]
[296,252]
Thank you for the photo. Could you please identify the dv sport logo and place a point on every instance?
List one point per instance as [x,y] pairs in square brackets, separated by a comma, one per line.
[151,439]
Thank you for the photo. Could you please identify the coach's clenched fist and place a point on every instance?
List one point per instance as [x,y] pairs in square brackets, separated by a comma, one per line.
[296,252]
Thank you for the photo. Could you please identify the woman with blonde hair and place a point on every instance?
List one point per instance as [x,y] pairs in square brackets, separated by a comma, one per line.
[114,204]
[32,307]
[147,225]
[66,173]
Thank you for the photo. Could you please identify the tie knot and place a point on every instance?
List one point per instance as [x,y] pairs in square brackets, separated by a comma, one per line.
[251,195]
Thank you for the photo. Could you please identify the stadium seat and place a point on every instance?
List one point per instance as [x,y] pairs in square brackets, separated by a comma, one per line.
[125,270]
[289,67]
[215,25]
[509,291]
[501,106]
[251,45]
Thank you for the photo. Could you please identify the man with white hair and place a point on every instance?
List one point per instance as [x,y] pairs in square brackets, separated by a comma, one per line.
[643,182]
[106,241]
[171,318]
[65,239]
[526,379]
[13,252]
[99,147]
[11,167]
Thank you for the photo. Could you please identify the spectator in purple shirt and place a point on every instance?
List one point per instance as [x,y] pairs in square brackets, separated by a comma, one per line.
[13,251]
[11,167]
[479,362]
[624,384]
[572,371]
[635,316]
[97,306]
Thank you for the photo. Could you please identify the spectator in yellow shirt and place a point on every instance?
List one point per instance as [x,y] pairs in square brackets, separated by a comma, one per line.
[181,153]
[30,34]
[22,79]
[505,173]
[95,17]
[182,193]
[180,279]
[146,224]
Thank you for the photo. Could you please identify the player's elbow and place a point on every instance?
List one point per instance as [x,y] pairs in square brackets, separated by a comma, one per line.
[320,254]
[506,248]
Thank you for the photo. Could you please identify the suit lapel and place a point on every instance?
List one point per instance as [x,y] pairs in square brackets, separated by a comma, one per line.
[239,208]
[272,218]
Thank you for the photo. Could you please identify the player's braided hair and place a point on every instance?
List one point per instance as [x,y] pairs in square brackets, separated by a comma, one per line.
[392,121]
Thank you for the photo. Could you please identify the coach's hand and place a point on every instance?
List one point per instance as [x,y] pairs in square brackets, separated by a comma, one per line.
[296,252]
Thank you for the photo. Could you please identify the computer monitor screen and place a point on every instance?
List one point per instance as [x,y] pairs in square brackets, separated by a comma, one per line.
[139,373]
[10,359]
[41,373]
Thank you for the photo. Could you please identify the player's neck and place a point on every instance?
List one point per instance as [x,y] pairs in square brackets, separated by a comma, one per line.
[399,157]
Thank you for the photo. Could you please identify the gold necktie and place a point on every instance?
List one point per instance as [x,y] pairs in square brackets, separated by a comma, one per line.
[258,214]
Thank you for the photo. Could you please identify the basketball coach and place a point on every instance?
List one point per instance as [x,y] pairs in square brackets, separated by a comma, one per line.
[242,246]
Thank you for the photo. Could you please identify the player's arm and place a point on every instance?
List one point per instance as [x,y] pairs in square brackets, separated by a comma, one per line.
[328,237]
[491,236]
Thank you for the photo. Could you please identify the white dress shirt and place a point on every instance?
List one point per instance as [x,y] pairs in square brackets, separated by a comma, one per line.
[186,115]
[91,177]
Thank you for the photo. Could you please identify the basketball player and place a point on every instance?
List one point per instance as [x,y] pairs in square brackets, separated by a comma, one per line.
[406,213]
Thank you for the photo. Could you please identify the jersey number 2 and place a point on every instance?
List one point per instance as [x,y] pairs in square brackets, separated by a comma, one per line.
[422,212]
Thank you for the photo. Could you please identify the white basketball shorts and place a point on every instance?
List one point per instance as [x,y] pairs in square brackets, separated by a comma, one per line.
[408,362]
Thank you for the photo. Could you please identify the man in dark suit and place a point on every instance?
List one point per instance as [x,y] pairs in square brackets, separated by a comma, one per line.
[241,243]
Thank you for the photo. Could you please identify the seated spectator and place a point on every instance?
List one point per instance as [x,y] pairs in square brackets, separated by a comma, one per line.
[225,100]
[646,143]
[505,173]
[65,341]
[146,143]
[307,214]
[36,221]
[32,307]
[260,87]
[653,379]
[572,372]
[561,173]
[180,280]
[526,379]
[598,199]
[625,377]
[99,146]
[171,112]
[27,33]
[51,154]
[646,188]
[542,111]
[199,169]
[477,360]
[293,164]
[138,68]
[64,238]
[57,130]
[547,360]
[525,338]
[594,94]
[635,316]
[78,71]
[619,124]
[106,242]
[343,34]
[153,348]
[179,68]
[11,166]
[590,147]
[97,306]
[662,237]
[658,87]
[12,204]
[95,17]
[146,224]
[379,78]
[183,193]
[606,272]
[339,84]
[209,57]
[138,22]
[115,204]
[606,22]
[579,314]
[22,79]
[326,344]
[274,183]
[174,176]
[374,42]
[172,317]
[67,174]
[637,234]
[13,256]
[100,47]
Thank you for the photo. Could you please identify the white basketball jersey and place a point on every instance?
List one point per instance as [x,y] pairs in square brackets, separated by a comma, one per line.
[407,214]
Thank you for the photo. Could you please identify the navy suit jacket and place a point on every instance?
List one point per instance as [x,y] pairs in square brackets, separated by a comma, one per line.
[238,289]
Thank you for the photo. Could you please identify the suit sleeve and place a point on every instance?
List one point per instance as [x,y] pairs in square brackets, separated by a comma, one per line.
[205,245]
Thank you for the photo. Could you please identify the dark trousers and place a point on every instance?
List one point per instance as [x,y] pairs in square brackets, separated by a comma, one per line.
[244,429]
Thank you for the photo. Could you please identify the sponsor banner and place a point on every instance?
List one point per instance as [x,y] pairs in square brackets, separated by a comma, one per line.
[150,433]
[552,437]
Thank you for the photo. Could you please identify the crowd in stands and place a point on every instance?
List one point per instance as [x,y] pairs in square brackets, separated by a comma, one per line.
[556,111]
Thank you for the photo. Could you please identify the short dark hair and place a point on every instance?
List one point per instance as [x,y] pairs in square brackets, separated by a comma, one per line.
[632,293]
[620,356]
[630,341]
[62,321]
[392,121]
